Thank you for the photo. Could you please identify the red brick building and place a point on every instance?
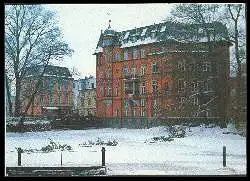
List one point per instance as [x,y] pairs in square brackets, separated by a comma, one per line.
[54,94]
[162,70]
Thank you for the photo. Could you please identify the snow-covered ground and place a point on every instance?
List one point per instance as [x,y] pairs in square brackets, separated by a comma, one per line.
[199,153]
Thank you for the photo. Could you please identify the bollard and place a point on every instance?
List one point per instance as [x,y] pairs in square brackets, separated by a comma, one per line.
[103,156]
[224,156]
[19,151]
[61,158]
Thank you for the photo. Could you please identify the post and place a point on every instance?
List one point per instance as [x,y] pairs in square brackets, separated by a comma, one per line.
[19,151]
[61,158]
[103,156]
[224,156]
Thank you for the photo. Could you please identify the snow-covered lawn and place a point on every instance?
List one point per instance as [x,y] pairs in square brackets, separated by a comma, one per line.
[199,153]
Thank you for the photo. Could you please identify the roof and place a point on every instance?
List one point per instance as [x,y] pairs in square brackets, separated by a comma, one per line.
[179,32]
[49,71]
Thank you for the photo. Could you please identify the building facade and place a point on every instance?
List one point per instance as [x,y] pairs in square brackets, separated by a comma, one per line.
[54,95]
[88,102]
[79,86]
[163,70]
[241,124]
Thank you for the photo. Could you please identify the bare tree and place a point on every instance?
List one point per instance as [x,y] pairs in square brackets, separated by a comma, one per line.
[32,37]
[229,16]
[236,16]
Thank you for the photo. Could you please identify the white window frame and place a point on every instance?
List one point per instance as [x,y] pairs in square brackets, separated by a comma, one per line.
[142,103]
[154,84]
[133,71]
[195,101]
[143,53]
[195,86]
[143,88]
[126,112]
[126,57]
[206,67]
[134,54]
[154,65]
[180,88]
[143,111]
[143,69]
[117,56]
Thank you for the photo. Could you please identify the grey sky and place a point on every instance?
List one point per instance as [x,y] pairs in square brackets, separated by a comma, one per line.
[81,25]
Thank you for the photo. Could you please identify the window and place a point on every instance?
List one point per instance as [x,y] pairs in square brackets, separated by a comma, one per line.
[143,68]
[134,111]
[117,112]
[180,84]
[192,67]
[117,56]
[73,85]
[92,85]
[58,98]
[134,56]
[66,85]
[51,99]
[133,71]
[108,73]
[207,85]
[109,89]
[41,99]
[66,98]
[143,88]
[109,54]
[126,104]
[206,67]
[125,55]
[125,69]
[166,87]
[154,68]
[195,86]
[143,111]
[154,85]
[142,102]
[59,85]
[89,102]
[143,54]
[116,91]
[181,66]
[126,112]
[195,101]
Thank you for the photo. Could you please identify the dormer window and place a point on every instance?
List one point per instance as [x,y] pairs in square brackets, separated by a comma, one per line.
[153,34]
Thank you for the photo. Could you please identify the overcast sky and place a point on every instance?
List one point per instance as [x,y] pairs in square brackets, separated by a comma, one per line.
[81,25]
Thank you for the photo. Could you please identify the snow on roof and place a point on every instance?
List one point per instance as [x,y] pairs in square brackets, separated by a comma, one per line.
[163,28]
[98,50]
[139,42]
[126,35]
[144,32]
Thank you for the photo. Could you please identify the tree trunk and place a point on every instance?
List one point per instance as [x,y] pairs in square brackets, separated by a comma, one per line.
[17,98]
[8,96]
[238,76]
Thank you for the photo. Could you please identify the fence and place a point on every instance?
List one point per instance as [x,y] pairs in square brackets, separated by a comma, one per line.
[139,123]
[55,171]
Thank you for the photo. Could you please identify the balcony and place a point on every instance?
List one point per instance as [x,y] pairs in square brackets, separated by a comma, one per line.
[130,76]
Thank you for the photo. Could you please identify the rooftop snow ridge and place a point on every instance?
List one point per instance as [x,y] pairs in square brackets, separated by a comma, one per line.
[180,32]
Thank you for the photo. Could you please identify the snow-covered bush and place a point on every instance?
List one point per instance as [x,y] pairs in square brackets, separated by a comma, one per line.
[177,131]
[99,142]
[55,146]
